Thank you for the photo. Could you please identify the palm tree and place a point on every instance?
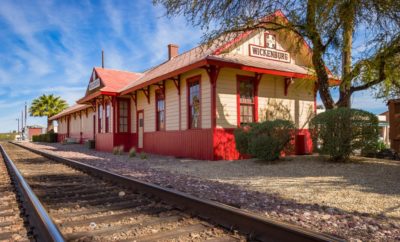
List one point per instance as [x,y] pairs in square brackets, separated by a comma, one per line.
[47,105]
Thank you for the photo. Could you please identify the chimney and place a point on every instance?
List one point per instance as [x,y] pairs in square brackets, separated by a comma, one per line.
[172,51]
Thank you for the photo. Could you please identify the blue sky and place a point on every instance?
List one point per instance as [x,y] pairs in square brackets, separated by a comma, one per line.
[51,46]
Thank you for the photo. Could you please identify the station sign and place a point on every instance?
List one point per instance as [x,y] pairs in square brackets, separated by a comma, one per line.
[269,51]
[94,84]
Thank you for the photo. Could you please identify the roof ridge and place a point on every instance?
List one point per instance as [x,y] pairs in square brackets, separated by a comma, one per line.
[111,69]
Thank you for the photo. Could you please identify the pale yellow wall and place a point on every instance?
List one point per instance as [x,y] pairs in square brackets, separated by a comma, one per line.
[149,109]
[87,121]
[62,126]
[297,106]
[226,97]
[75,124]
[172,106]
[133,116]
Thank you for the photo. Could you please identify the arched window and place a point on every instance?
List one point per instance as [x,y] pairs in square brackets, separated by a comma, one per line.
[100,117]
[108,115]
[160,110]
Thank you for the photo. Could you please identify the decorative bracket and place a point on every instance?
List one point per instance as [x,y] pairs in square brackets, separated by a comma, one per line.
[146,92]
[93,103]
[161,86]
[213,72]
[257,79]
[134,97]
[288,82]
[177,82]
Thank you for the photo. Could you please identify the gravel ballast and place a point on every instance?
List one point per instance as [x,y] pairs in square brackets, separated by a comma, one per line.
[359,201]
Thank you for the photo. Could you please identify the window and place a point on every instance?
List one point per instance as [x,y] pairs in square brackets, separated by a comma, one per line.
[123,116]
[108,112]
[160,110]
[194,103]
[246,101]
[100,117]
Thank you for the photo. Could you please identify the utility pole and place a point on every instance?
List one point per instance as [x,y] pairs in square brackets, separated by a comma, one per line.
[18,125]
[22,125]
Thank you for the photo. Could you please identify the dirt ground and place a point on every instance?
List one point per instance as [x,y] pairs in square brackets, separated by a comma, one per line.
[364,185]
[359,201]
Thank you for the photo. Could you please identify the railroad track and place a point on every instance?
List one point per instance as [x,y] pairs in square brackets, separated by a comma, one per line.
[12,225]
[85,207]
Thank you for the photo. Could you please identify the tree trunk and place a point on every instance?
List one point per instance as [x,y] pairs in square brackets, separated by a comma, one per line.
[347,15]
[49,125]
[318,62]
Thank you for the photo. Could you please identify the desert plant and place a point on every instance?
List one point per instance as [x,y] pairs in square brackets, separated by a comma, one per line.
[265,140]
[118,150]
[132,152]
[143,156]
[340,132]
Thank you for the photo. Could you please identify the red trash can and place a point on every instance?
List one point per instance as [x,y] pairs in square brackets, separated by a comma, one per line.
[300,144]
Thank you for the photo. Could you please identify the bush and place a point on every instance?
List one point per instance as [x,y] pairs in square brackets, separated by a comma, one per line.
[143,156]
[340,132]
[118,150]
[242,139]
[48,138]
[264,140]
[132,152]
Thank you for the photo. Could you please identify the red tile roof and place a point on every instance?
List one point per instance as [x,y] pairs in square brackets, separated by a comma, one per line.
[113,80]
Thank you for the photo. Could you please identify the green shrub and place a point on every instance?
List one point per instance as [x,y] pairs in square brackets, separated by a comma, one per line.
[242,139]
[118,150]
[143,156]
[264,140]
[132,152]
[340,132]
[48,138]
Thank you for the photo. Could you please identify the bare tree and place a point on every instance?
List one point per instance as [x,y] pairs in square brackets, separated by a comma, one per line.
[328,26]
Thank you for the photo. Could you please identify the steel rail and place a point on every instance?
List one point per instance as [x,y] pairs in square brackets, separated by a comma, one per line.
[43,227]
[257,227]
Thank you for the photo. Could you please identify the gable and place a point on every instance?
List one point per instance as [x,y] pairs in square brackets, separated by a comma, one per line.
[275,46]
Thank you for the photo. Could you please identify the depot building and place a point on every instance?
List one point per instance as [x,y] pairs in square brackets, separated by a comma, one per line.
[190,105]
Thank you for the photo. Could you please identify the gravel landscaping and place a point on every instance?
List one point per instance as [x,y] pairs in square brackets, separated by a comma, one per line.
[359,201]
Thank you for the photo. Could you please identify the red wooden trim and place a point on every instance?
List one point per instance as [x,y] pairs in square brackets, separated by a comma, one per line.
[232,42]
[188,81]
[109,93]
[240,78]
[213,72]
